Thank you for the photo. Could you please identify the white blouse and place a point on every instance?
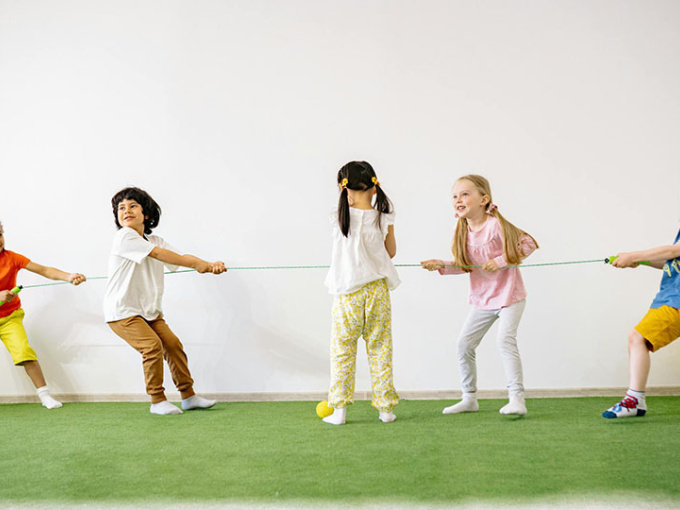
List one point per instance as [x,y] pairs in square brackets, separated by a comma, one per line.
[362,257]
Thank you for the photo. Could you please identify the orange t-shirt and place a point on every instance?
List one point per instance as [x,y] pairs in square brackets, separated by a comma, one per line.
[10,264]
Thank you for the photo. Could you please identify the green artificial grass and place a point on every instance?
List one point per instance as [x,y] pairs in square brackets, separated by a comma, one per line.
[280,451]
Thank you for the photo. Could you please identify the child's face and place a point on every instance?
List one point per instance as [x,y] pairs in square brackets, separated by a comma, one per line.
[468,202]
[2,240]
[130,214]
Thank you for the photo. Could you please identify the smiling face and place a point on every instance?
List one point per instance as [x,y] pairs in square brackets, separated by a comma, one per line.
[2,239]
[468,202]
[130,214]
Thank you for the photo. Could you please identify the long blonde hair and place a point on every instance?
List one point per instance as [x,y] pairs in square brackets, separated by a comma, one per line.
[512,236]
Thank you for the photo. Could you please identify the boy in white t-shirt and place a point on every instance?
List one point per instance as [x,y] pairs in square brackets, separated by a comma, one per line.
[132,304]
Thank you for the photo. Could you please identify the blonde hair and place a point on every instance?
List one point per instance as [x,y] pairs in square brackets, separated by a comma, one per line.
[512,236]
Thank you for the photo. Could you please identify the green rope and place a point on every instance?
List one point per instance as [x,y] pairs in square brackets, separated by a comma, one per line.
[257,268]
[533,265]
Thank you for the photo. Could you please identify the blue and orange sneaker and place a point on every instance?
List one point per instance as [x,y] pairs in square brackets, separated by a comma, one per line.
[628,407]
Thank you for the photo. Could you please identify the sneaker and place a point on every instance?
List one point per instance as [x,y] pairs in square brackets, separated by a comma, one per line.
[628,407]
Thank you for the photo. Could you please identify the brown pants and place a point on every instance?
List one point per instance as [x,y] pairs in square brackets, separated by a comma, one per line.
[154,341]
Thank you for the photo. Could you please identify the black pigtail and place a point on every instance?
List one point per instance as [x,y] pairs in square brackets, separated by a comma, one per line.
[382,203]
[343,213]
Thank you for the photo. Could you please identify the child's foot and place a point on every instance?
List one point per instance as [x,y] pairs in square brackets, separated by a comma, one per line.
[196,402]
[165,408]
[467,405]
[387,417]
[516,406]
[47,400]
[630,406]
[338,416]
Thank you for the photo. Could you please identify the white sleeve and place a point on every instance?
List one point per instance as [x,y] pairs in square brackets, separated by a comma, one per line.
[130,245]
[386,219]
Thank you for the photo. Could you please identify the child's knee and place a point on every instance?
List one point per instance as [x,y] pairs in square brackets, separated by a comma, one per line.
[466,351]
[635,339]
[152,352]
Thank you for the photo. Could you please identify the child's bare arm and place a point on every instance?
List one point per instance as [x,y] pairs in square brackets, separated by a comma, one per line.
[175,259]
[391,242]
[655,256]
[55,274]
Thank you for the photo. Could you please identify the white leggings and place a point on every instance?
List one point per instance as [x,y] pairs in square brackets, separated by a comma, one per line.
[476,325]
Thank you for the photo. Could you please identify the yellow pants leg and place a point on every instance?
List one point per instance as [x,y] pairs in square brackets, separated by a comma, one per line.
[348,321]
[377,334]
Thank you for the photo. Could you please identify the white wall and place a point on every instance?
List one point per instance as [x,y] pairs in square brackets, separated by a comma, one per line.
[236,115]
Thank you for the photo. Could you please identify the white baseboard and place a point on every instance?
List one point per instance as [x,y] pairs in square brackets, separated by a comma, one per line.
[359,395]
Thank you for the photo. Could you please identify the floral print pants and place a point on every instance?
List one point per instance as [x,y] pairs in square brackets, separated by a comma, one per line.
[365,313]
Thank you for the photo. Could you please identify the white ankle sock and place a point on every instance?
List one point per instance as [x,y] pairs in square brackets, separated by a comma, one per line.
[516,405]
[467,405]
[640,395]
[387,417]
[164,408]
[47,400]
[338,416]
[196,402]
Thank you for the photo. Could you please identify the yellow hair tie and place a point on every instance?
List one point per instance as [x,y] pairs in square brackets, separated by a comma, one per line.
[344,183]
[375,181]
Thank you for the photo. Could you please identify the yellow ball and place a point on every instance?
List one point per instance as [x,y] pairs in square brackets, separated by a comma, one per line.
[322,409]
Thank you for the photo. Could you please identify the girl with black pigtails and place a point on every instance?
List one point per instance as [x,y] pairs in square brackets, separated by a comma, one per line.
[360,278]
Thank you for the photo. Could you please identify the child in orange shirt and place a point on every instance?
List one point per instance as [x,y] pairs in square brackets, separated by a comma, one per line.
[12,332]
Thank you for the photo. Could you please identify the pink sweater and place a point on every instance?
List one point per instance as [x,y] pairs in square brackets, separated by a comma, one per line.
[492,291]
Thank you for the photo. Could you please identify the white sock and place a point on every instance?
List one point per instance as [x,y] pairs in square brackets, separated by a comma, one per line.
[640,395]
[387,417]
[467,405]
[47,400]
[164,408]
[196,402]
[516,405]
[338,416]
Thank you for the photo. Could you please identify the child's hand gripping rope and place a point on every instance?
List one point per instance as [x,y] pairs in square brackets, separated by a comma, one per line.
[432,265]
[211,267]
[624,260]
[8,295]
[76,278]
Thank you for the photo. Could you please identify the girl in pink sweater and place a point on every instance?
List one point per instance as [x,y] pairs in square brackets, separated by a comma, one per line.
[486,240]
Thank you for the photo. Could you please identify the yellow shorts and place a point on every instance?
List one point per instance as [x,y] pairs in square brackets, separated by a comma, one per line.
[660,326]
[13,335]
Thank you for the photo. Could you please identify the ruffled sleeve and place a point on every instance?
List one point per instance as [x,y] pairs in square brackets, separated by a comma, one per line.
[386,219]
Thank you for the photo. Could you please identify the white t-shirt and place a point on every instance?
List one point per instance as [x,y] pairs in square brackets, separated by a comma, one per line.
[361,258]
[135,285]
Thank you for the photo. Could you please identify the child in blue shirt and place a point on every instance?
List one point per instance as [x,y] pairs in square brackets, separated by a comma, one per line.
[658,328]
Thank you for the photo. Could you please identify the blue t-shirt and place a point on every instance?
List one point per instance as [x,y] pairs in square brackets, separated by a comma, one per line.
[669,293]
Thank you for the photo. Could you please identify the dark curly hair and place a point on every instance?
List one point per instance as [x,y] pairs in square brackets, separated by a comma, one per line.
[151,210]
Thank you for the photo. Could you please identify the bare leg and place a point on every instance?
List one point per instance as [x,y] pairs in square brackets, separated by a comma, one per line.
[633,403]
[35,373]
[639,361]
